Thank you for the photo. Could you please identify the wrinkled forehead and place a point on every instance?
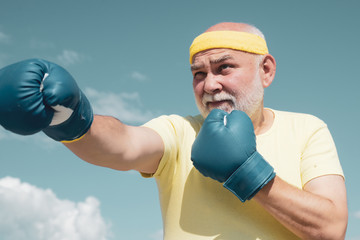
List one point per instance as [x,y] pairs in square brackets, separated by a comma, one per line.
[242,41]
[217,56]
[213,56]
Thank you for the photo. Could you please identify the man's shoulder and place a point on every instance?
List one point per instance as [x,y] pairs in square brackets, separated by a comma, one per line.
[179,118]
[298,118]
[295,115]
[177,121]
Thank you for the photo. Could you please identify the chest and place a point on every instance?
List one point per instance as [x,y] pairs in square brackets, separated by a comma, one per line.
[284,152]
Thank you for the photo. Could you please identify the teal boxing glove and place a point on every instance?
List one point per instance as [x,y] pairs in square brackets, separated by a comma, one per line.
[37,95]
[225,150]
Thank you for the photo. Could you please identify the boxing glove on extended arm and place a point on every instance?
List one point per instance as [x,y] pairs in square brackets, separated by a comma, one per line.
[225,150]
[37,95]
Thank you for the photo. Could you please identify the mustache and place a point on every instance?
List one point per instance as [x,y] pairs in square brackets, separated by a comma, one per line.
[222,96]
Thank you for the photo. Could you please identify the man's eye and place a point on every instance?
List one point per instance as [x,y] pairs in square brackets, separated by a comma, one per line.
[199,75]
[224,66]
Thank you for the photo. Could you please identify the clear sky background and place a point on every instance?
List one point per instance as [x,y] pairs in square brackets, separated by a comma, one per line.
[131,59]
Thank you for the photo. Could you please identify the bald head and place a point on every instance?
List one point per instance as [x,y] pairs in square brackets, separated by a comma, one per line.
[236,36]
[232,26]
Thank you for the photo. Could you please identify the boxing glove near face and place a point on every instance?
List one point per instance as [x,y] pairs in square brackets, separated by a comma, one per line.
[36,95]
[225,150]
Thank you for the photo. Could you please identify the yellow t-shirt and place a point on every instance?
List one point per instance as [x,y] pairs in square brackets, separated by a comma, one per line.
[194,207]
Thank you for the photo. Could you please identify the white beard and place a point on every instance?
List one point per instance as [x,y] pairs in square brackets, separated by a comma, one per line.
[250,99]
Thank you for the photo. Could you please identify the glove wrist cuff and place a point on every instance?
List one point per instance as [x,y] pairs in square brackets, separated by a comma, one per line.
[250,177]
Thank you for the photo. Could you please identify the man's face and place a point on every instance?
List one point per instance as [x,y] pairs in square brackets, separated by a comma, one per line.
[227,79]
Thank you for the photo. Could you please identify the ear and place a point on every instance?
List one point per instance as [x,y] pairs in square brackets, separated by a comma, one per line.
[267,70]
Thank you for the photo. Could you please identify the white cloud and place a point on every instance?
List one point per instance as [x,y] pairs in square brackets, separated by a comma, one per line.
[354,238]
[158,235]
[124,106]
[41,44]
[31,213]
[68,57]
[39,139]
[139,76]
[4,59]
[3,133]
[357,214]
[4,38]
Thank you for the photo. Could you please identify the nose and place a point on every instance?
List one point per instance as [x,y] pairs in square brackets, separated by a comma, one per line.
[212,84]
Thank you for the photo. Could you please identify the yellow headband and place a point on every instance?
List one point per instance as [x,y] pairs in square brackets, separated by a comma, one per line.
[242,41]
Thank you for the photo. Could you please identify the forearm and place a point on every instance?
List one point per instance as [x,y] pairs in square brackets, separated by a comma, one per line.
[100,145]
[308,215]
[110,143]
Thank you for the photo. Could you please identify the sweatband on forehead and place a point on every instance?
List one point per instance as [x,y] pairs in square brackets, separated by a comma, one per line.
[242,41]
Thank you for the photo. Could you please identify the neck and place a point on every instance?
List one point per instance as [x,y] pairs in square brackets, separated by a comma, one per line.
[262,120]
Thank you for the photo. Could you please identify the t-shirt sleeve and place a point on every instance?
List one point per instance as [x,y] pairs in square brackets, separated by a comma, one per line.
[319,156]
[164,126]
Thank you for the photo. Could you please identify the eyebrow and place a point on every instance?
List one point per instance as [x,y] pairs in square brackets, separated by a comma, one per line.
[221,59]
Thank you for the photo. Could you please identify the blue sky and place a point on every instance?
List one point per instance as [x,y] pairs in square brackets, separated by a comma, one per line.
[131,59]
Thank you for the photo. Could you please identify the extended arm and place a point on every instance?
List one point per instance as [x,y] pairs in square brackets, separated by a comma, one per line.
[319,211]
[37,95]
[110,143]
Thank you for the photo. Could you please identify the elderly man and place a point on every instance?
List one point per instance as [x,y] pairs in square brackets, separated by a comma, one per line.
[237,171]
